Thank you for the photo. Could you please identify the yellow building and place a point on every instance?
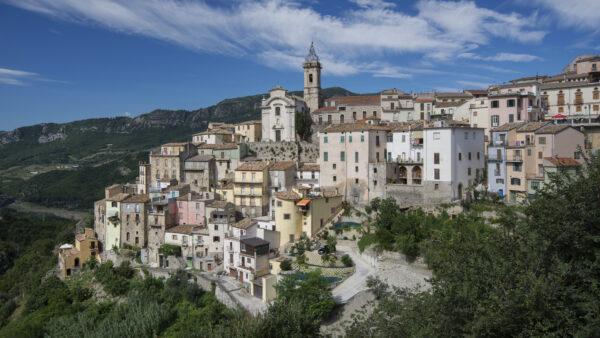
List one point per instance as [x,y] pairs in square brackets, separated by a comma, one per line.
[300,212]
[72,259]
[249,131]
[224,191]
[250,188]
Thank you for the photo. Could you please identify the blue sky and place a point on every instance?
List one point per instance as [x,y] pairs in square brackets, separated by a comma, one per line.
[64,60]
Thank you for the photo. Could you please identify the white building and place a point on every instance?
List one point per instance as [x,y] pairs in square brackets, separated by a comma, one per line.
[454,159]
[308,175]
[279,115]
[405,143]
[245,228]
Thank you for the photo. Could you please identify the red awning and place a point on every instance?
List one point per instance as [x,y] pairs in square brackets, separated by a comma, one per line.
[559,116]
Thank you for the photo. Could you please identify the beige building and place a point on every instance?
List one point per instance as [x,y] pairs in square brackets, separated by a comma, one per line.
[144,179]
[200,172]
[299,211]
[251,188]
[72,259]
[346,109]
[248,131]
[167,163]
[213,136]
[345,153]
[396,106]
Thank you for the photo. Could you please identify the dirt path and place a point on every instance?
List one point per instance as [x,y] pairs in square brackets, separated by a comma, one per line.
[80,216]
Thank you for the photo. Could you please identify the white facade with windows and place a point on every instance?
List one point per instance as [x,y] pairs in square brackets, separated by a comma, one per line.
[279,115]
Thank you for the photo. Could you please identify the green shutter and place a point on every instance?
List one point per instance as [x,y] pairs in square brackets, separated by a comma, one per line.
[343,155]
[325,157]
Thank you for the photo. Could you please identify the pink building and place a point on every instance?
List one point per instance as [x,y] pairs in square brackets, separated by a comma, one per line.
[190,207]
[518,101]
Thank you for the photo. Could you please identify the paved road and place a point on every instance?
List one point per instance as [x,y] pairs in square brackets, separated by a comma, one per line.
[355,283]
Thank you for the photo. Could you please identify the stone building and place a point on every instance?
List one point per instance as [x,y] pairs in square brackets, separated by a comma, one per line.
[312,80]
[282,176]
[144,179]
[228,157]
[348,109]
[220,215]
[134,220]
[161,216]
[396,106]
[248,131]
[167,163]
[279,115]
[200,172]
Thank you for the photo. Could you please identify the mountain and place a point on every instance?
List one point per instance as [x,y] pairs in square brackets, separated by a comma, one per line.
[98,140]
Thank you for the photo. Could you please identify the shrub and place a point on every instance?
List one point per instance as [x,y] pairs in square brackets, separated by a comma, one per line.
[286,265]
[346,260]
[365,241]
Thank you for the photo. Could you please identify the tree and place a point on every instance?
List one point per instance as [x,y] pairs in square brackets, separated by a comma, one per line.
[313,293]
[300,124]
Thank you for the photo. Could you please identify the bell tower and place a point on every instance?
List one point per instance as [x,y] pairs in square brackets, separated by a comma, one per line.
[312,80]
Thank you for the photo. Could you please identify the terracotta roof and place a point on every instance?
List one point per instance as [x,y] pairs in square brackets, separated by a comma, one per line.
[566,161]
[509,126]
[83,236]
[143,198]
[178,187]
[330,193]
[405,127]
[477,91]
[220,146]
[200,158]
[244,224]
[309,167]
[462,95]
[118,197]
[359,99]
[288,195]
[174,144]
[283,165]
[532,126]
[449,104]
[553,129]
[322,109]
[251,122]
[303,202]
[253,166]
[353,127]
[185,229]
[419,100]
[219,204]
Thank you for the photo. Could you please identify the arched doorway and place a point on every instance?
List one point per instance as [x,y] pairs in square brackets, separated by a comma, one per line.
[460,187]
[416,175]
[403,175]
[342,118]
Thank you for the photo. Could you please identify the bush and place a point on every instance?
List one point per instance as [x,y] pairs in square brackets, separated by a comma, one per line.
[365,241]
[286,265]
[170,250]
[346,260]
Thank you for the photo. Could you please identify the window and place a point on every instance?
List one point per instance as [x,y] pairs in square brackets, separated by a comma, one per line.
[495,120]
[356,169]
[375,183]
[198,217]
[216,227]
[469,171]
[403,138]
[342,156]
[560,98]
[542,140]
[495,104]
[286,216]
[356,157]
[596,94]
[324,139]
[356,181]
[181,204]
[216,239]
[180,215]
[325,156]
[478,156]
[436,174]
[511,118]
[374,170]
[377,140]
[561,109]
[460,156]
[377,156]
[528,152]
[174,237]
[197,205]
[515,181]
[469,156]
[436,158]
[334,166]
[510,103]
[517,167]
[535,184]
[576,155]
[277,111]
[342,139]
[350,139]
[334,178]
[279,203]
[436,135]
[474,113]
[437,186]
[539,154]
[362,138]
[596,107]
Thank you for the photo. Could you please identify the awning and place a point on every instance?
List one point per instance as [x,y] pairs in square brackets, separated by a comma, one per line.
[303,202]
[559,116]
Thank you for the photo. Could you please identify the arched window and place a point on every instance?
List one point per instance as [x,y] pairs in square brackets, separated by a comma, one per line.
[342,118]
[403,172]
[277,111]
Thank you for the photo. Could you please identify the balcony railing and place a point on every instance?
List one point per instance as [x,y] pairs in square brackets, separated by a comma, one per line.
[515,158]
[496,158]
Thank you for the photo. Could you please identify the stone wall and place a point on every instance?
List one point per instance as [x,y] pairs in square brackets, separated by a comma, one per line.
[284,151]
[419,195]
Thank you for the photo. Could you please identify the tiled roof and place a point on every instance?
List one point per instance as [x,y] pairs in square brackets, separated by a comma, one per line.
[216,131]
[174,144]
[508,126]
[283,165]
[251,122]
[477,91]
[200,158]
[219,204]
[322,109]
[553,129]
[253,166]
[83,236]
[220,146]
[118,197]
[353,127]
[411,126]
[254,242]
[566,161]
[309,167]
[330,193]
[532,126]
[244,224]
[288,195]
[143,198]
[449,104]
[419,100]
[177,187]
[359,100]
[185,229]
[462,95]
[573,84]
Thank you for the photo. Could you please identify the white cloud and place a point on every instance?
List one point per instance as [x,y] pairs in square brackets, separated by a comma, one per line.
[278,33]
[501,57]
[495,69]
[21,78]
[574,13]
[473,84]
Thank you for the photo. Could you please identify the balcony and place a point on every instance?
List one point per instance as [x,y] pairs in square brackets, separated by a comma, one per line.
[496,158]
[515,158]
[500,143]
[246,181]
[218,220]
[249,194]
